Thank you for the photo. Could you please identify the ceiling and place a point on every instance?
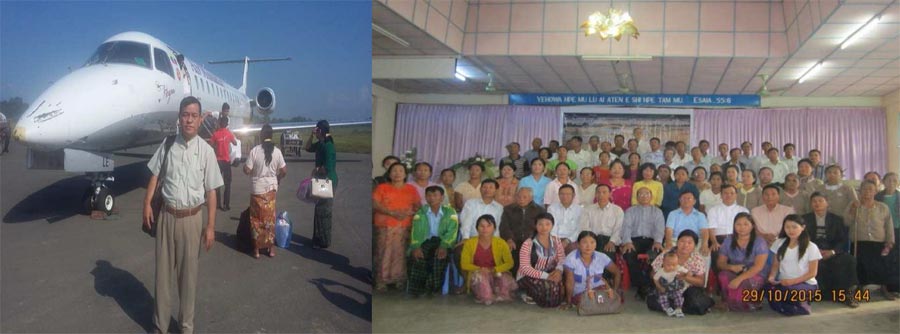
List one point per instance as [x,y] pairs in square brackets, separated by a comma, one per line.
[732,65]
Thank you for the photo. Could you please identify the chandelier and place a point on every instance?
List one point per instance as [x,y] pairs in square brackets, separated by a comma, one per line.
[615,23]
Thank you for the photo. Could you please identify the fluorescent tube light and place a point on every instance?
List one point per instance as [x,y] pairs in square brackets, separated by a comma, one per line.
[862,31]
[810,72]
[390,35]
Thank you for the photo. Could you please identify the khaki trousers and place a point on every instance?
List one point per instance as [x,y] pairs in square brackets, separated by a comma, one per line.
[177,255]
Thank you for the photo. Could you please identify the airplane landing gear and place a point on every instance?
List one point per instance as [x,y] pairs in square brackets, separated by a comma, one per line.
[98,197]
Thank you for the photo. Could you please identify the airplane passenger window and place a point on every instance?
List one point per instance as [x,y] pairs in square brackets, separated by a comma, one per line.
[162,62]
[121,52]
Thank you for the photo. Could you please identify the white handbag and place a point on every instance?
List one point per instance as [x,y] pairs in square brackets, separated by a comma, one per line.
[321,188]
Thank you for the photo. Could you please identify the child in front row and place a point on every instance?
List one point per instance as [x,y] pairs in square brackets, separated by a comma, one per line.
[670,285]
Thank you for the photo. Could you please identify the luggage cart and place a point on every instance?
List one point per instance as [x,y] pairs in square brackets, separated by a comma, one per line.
[291,143]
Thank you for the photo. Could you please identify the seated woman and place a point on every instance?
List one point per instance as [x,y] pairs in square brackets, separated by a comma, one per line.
[508,184]
[634,164]
[837,269]
[587,188]
[620,187]
[732,176]
[698,178]
[742,264]
[541,265]
[712,196]
[647,178]
[584,270]
[749,195]
[665,174]
[601,171]
[794,268]
[695,299]
[487,260]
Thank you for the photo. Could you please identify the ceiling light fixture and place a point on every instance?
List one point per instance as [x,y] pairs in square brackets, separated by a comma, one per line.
[810,72]
[614,23]
[460,76]
[390,35]
[866,28]
[618,58]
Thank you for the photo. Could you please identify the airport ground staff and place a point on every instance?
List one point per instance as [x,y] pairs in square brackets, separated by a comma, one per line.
[191,171]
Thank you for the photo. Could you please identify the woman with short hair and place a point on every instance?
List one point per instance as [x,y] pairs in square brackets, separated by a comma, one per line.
[695,299]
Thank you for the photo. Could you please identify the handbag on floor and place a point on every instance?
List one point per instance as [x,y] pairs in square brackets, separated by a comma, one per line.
[601,303]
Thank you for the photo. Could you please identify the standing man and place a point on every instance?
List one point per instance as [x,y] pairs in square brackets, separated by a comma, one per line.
[654,156]
[191,173]
[534,153]
[515,159]
[643,146]
[605,220]
[226,109]
[769,217]
[221,141]
[594,149]
[815,156]
[746,155]
[723,156]
[580,156]
[779,169]
[619,150]
[4,133]
[790,160]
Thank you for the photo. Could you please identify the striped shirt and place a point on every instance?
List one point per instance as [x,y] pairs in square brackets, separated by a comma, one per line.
[547,259]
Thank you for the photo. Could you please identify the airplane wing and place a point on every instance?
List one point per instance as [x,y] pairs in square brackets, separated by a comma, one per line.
[291,126]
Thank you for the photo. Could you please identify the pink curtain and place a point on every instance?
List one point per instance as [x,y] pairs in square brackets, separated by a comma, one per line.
[446,134]
[853,137]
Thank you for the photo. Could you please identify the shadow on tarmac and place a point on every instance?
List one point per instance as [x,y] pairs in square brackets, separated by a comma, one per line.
[131,295]
[346,303]
[63,198]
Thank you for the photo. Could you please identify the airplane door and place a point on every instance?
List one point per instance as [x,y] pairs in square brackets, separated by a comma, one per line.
[185,76]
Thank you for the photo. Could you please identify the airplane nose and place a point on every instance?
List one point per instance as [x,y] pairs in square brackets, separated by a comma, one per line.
[19,134]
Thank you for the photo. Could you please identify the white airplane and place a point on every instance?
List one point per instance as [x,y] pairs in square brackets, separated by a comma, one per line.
[127,95]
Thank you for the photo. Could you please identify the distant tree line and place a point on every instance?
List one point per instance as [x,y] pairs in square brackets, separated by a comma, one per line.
[13,108]
[261,119]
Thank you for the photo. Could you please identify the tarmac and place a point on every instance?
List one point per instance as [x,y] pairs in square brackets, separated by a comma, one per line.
[61,271]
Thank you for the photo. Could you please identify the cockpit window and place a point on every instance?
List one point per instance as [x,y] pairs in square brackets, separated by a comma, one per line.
[162,62]
[121,52]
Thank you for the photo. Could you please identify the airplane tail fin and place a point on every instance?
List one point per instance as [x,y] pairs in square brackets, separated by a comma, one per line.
[246,61]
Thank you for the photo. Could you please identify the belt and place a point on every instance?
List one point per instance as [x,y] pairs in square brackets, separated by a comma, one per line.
[181,213]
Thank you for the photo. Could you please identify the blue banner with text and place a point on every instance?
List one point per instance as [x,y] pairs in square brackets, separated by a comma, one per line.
[643,100]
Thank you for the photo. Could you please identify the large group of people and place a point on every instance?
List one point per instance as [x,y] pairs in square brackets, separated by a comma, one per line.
[693,230]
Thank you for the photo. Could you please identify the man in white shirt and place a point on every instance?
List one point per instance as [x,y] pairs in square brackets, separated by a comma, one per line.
[476,207]
[704,151]
[643,144]
[681,154]
[655,155]
[721,217]
[567,215]
[581,157]
[535,150]
[746,155]
[594,150]
[779,169]
[723,156]
[762,157]
[607,147]
[696,161]
[604,219]
[790,160]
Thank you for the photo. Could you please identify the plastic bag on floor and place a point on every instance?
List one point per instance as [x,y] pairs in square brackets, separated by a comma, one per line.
[283,230]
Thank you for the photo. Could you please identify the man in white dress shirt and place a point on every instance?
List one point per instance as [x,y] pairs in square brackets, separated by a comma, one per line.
[567,214]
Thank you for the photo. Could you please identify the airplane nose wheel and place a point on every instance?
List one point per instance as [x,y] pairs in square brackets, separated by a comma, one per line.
[98,197]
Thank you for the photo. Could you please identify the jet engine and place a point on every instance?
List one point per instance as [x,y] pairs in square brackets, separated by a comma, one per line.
[265,101]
